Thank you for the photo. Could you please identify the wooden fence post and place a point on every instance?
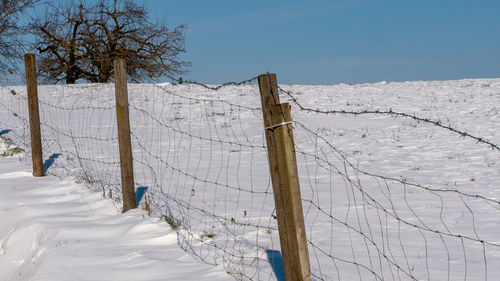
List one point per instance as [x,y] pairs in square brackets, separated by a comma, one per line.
[34,115]
[285,180]
[122,118]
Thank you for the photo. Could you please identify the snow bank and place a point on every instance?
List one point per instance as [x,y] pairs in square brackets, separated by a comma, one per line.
[55,229]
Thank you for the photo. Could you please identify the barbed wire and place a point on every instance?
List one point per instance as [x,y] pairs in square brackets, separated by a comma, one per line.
[218,87]
[392,113]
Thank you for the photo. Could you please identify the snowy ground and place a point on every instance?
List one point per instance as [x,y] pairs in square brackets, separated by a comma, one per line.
[385,198]
[54,229]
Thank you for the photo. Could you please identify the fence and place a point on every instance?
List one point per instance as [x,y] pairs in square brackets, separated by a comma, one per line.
[376,209]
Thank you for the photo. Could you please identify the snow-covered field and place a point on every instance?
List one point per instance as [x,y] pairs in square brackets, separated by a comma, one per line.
[384,197]
[55,229]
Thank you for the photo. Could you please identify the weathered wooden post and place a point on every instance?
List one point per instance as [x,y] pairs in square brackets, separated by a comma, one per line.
[34,115]
[125,146]
[285,180]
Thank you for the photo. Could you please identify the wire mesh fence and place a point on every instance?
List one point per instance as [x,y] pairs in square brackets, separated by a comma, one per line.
[385,196]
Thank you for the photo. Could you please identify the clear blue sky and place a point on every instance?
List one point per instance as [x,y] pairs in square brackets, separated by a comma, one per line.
[326,42]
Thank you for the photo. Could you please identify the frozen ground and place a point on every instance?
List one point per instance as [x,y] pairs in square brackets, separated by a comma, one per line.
[385,197]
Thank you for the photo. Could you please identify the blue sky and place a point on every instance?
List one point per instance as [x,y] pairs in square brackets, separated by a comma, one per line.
[336,41]
[326,42]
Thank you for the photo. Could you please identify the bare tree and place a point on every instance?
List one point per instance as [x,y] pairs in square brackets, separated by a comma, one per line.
[56,41]
[80,41]
[10,37]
